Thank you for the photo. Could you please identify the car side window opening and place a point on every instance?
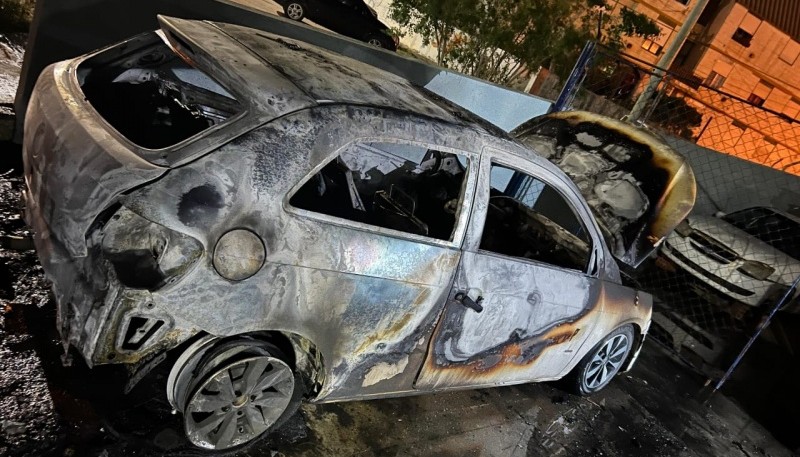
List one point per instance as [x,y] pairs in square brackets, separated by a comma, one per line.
[528,218]
[397,186]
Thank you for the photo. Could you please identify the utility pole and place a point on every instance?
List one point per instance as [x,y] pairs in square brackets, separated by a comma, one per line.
[666,59]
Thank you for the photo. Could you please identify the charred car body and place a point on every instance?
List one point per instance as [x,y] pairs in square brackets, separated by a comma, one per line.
[294,221]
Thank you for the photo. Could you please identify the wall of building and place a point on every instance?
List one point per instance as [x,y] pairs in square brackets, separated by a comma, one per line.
[667,14]
[769,58]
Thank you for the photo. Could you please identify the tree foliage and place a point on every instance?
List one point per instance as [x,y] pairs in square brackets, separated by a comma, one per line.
[15,15]
[495,40]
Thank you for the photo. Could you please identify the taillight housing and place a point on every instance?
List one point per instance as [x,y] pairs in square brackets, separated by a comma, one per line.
[146,255]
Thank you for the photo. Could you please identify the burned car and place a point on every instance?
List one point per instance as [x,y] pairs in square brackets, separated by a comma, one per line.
[750,257]
[292,223]
[638,187]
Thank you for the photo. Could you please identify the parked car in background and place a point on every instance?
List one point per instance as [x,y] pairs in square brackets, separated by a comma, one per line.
[750,256]
[352,18]
[289,232]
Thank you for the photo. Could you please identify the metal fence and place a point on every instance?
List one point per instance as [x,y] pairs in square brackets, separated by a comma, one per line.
[719,276]
[693,109]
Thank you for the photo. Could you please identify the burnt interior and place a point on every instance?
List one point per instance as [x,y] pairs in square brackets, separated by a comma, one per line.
[150,95]
[529,219]
[381,188]
[629,157]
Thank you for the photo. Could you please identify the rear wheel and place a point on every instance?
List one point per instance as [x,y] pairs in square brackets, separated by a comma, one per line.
[380,40]
[294,11]
[232,393]
[602,363]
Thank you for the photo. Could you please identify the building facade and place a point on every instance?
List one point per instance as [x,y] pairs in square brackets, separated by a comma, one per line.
[749,51]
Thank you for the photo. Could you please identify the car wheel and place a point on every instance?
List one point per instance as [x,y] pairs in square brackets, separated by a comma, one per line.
[233,394]
[604,361]
[381,41]
[294,11]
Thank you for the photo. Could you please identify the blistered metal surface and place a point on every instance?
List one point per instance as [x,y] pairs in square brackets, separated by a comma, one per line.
[368,300]
[361,302]
[638,187]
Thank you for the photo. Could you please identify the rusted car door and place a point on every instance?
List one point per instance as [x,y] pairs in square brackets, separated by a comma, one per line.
[527,293]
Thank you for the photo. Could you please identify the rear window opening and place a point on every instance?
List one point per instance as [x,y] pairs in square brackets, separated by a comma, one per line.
[150,95]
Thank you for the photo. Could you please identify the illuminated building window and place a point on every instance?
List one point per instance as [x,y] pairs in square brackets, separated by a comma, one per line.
[652,47]
[655,45]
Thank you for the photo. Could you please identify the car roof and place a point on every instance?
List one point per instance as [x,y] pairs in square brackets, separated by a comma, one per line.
[321,77]
[330,78]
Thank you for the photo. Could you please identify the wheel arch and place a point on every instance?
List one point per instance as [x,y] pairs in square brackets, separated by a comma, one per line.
[303,354]
[638,342]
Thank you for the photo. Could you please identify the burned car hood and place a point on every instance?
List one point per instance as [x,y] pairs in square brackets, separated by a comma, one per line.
[638,187]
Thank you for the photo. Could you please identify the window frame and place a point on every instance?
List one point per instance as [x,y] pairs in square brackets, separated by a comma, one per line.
[187,149]
[715,80]
[578,207]
[742,37]
[462,216]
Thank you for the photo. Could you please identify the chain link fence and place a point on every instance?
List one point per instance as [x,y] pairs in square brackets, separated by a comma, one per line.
[728,265]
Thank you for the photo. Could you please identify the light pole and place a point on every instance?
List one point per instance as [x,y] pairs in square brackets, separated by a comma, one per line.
[666,59]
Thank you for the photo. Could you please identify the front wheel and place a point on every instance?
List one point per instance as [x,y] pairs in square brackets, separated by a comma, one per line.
[294,11]
[600,365]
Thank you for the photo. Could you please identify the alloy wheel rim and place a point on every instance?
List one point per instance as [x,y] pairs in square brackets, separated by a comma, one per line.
[375,42]
[606,362]
[294,11]
[238,403]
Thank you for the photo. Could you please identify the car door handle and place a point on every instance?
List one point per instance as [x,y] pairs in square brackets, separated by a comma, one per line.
[474,305]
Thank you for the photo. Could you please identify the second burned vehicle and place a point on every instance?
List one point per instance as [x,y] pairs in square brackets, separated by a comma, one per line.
[296,223]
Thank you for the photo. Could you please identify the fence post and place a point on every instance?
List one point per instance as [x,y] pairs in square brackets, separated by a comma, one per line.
[575,78]
[759,329]
[667,58]
[660,93]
